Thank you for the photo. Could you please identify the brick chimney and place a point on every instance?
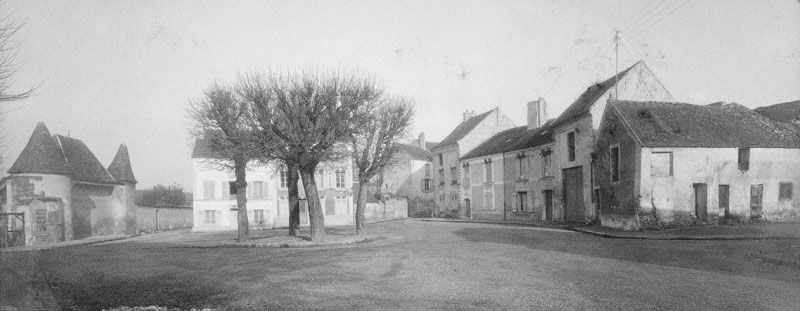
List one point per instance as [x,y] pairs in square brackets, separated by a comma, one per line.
[537,113]
[468,114]
[421,140]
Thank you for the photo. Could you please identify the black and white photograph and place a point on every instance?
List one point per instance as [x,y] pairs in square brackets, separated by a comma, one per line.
[170,155]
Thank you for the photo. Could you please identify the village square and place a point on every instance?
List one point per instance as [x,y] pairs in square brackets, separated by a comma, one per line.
[322,180]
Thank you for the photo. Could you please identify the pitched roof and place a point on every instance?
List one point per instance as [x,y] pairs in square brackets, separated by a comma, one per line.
[664,124]
[783,112]
[584,103]
[84,165]
[463,129]
[120,167]
[516,138]
[41,155]
[415,152]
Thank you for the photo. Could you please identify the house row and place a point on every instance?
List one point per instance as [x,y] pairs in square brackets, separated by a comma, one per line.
[57,190]
[560,169]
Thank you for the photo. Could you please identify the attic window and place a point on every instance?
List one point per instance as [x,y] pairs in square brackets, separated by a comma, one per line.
[744,159]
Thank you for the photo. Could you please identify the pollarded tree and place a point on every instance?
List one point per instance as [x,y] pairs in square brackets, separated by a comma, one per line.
[311,117]
[220,119]
[374,147]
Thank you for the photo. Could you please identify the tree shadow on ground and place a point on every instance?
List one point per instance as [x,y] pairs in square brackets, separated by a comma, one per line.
[165,290]
[730,257]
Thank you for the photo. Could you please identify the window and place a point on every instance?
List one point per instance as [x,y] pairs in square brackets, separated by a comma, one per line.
[208,190]
[466,175]
[571,145]
[284,178]
[258,189]
[522,201]
[614,163]
[441,160]
[258,216]
[522,165]
[283,202]
[341,203]
[441,177]
[427,184]
[785,191]
[225,187]
[339,178]
[249,190]
[547,163]
[211,217]
[487,166]
[232,190]
[488,200]
[661,164]
[744,159]
[454,175]
[427,170]
[320,178]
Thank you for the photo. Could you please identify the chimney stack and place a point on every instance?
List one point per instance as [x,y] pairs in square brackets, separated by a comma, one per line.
[537,113]
[421,140]
[468,114]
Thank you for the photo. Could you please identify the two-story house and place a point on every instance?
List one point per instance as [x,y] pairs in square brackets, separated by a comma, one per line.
[575,131]
[267,193]
[471,132]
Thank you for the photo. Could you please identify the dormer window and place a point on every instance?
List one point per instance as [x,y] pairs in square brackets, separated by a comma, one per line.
[744,159]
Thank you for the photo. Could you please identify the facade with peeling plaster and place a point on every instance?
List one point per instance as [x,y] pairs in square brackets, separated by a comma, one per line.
[672,164]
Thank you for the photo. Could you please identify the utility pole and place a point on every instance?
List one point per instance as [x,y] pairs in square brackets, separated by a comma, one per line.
[616,63]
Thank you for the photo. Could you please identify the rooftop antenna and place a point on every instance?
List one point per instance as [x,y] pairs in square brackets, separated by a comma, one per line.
[616,63]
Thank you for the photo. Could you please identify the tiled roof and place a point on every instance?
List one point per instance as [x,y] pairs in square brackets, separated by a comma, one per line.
[120,167]
[41,155]
[663,124]
[84,165]
[584,103]
[415,152]
[783,112]
[463,129]
[516,138]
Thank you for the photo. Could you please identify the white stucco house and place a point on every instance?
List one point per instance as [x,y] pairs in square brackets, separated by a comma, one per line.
[215,206]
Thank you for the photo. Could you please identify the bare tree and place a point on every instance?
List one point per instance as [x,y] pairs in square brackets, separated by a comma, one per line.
[220,118]
[310,117]
[375,146]
[8,55]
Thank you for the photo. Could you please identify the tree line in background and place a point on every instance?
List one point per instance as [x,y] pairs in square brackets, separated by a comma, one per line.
[298,120]
[162,195]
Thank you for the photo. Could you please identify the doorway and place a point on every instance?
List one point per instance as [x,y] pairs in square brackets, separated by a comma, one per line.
[724,199]
[756,196]
[467,208]
[700,201]
[548,205]
[573,194]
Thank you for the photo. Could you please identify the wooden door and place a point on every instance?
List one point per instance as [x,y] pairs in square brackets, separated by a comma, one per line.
[724,199]
[573,194]
[468,208]
[548,204]
[756,195]
[700,201]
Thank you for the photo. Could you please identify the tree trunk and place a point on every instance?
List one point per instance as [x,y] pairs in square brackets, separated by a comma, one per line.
[292,177]
[316,219]
[240,166]
[361,204]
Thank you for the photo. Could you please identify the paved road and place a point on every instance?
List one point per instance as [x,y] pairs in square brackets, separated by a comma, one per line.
[428,265]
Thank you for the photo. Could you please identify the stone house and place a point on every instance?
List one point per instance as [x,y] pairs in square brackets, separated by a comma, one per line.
[575,130]
[510,175]
[63,192]
[214,201]
[665,164]
[471,132]
[410,176]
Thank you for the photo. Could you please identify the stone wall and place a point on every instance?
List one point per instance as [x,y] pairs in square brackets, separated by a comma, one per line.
[161,218]
[619,201]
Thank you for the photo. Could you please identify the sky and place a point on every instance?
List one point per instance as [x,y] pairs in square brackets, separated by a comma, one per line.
[111,72]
